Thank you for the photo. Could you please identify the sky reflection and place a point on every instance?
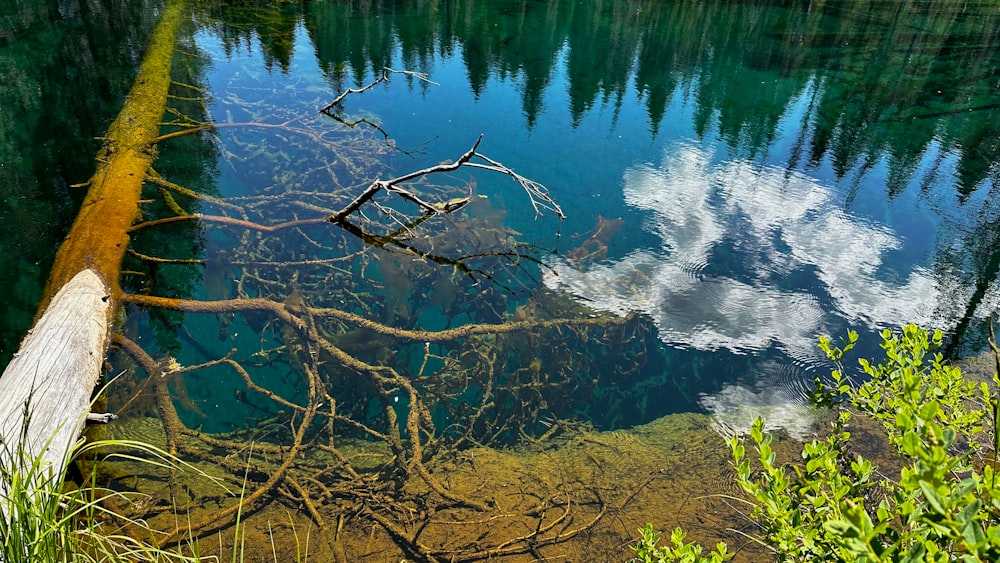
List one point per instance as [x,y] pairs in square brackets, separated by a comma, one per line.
[779,232]
[753,258]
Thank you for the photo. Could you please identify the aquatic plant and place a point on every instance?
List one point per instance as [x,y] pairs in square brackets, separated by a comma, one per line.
[941,504]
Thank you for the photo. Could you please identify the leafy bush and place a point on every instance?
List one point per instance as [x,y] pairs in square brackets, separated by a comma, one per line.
[944,505]
[647,551]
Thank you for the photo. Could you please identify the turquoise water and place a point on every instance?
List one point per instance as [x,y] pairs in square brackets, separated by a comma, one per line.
[744,179]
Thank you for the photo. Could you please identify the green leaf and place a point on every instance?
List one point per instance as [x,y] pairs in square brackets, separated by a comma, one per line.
[932,497]
[841,528]
[929,410]
[911,444]
[972,533]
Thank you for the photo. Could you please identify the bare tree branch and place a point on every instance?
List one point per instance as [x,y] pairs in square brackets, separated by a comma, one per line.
[537,193]
[383,78]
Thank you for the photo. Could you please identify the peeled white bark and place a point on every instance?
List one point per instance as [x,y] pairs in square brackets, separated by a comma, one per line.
[56,370]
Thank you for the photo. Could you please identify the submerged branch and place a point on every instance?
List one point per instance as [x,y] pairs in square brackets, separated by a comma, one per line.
[283,126]
[384,77]
[222,219]
[156,180]
[282,312]
[377,241]
[537,193]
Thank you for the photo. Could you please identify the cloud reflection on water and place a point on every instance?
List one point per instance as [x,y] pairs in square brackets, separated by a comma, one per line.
[752,257]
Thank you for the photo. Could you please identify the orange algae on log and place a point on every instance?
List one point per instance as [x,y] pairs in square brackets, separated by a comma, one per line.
[99,235]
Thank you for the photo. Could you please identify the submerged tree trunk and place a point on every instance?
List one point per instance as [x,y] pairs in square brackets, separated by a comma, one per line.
[59,363]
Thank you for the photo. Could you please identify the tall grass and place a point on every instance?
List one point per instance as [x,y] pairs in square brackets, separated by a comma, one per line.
[44,521]
[41,520]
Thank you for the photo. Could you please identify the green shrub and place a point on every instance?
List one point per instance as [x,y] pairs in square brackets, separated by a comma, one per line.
[647,551]
[943,505]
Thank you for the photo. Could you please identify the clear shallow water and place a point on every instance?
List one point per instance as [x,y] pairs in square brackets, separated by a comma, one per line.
[758,176]
[779,175]
[737,180]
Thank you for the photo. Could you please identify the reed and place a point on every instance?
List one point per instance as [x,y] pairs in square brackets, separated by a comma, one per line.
[43,518]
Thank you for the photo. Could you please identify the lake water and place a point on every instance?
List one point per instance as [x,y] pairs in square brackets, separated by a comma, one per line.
[737,179]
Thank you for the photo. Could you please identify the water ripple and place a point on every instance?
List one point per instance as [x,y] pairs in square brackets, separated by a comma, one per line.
[779,395]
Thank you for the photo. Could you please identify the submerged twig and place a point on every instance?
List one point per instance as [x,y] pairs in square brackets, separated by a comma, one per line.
[384,77]
[537,193]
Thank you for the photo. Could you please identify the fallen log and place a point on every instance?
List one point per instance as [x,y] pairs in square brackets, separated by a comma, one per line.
[45,392]
[55,371]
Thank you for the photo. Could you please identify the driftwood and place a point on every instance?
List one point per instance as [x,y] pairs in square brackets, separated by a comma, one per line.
[59,363]
[55,371]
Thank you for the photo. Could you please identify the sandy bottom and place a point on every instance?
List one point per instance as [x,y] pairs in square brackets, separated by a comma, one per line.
[579,496]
